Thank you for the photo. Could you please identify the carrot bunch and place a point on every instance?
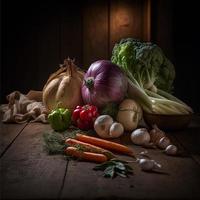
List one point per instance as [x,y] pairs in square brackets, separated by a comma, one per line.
[94,149]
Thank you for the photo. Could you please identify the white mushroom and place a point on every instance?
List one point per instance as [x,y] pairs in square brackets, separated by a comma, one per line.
[102,125]
[140,136]
[116,130]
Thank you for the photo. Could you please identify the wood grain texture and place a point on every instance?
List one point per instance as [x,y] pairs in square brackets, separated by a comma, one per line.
[147,12]
[8,133]
[179,179]
[71,25]
[95,32]
[128,19]
[46,27]
[27,172]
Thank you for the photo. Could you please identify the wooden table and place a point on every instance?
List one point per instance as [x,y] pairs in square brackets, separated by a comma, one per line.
[27,172]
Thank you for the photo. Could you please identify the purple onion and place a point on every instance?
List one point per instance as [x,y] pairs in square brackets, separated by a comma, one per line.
[103,83]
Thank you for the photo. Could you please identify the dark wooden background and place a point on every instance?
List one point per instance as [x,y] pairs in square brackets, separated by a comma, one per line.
[38,35]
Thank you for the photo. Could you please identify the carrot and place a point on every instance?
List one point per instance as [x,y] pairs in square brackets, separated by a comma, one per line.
[89,147]
[105,144]
[89,156]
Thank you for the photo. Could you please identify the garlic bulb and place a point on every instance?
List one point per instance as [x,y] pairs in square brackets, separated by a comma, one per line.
[63,88]
[140,136]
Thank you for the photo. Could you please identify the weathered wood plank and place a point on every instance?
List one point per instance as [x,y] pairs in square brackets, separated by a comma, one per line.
[126,20]
[47,31]
[180,180]
[146,9]
[95,32]
[27,172]
[8,133]
[71,33]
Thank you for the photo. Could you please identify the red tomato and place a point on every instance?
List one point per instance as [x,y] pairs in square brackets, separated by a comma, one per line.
[84,125]
[75,115]
[84,116]
[94,110]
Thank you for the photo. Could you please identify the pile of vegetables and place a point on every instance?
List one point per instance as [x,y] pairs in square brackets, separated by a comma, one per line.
[150,76]
[110,98]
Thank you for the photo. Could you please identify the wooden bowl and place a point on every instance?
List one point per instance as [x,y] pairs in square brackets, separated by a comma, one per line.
[168,122]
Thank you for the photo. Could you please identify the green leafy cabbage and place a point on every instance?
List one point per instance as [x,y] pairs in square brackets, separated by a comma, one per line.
[146,62]
[150,76]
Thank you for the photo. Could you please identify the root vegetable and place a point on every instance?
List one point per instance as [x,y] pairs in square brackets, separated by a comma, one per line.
[105,144]
[140,136]
[89,147]
[94,157]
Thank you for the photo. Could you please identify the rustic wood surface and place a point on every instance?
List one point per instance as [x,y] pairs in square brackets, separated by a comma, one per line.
[8,135]
[28,172]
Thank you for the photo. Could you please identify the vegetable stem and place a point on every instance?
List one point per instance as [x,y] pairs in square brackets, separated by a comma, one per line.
[179,106]
[173,98]
[139,95]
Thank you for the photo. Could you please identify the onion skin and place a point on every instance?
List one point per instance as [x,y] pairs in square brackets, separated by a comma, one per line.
[63,88]
[103,83]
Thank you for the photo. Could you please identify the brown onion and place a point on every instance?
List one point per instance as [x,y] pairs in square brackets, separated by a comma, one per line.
[63,88]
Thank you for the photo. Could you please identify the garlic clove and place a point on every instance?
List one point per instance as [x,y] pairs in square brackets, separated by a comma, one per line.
[171,150]
[163,143]
[146,165]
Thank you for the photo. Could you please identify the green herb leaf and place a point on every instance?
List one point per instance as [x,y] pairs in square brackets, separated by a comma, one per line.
[114,167]
[54,142]
[120,166]
[109,172]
